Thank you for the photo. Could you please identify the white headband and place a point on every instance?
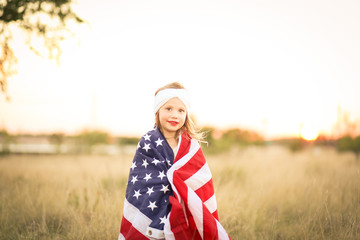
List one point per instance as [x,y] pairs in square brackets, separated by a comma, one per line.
[165,95]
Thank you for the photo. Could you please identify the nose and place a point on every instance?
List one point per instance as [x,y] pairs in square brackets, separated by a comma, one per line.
[174,115]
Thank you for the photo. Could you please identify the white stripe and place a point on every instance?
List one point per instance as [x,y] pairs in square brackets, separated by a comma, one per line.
[211,204]
[194,147]
[121,237]
[196,209]
[139,221]
[201,177]
[169,235]
[221,232]
[154,233]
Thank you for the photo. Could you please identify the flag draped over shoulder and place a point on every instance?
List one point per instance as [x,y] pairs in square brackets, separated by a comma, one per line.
[170,197]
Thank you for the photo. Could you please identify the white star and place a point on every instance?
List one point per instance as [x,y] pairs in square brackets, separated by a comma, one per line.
[155,161]
[146,147]
[137,194]
[133,166]
[161,175]
[134,179]
[159,142]
[145,163]
[147,137]
[168,161]
[150,191]
[152,205]
[163,220]
[165,188]
[147,177]
[138,146]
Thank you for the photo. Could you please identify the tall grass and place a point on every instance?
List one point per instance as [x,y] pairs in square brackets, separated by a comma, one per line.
[61,197]
[262,193]
[275,194]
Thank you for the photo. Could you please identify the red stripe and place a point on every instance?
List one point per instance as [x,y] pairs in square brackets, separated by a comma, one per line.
[182,224]
[206,191]
[192,166]
[210,226]
[184,147]
[180,186]
[194,231]
[191,225]
[178,223]
[183,192]
[216,215]
[129,232]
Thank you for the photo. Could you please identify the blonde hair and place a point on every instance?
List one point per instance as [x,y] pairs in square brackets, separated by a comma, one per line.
[189,125]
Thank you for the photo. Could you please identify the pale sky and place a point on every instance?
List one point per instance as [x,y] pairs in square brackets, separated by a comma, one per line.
[268,66]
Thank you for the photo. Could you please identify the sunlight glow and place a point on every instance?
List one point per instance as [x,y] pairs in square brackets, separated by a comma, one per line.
[309,133]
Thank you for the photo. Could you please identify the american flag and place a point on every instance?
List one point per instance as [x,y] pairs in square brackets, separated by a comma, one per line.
[170,197]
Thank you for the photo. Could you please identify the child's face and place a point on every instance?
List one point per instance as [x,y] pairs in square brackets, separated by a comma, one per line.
[172,116]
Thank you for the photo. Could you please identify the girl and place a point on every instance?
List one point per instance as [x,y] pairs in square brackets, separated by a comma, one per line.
[170,193]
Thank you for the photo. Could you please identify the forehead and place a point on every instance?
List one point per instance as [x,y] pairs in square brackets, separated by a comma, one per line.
[175,102]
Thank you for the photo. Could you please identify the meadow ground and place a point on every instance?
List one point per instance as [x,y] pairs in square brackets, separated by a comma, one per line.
[262,193]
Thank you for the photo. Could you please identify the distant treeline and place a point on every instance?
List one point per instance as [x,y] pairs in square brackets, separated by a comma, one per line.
[79,143]
[216,141]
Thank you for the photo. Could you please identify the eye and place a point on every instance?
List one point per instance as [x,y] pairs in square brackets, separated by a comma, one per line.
[168,108]
[182,110]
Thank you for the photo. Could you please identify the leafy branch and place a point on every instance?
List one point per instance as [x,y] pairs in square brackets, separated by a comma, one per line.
[43,21]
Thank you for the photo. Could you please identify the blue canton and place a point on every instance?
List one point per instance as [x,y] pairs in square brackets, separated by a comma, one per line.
[148,188]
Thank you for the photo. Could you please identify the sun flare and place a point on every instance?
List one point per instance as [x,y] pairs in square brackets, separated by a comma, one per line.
[309,133]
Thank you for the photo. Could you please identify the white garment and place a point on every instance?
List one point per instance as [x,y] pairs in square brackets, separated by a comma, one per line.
[176,149]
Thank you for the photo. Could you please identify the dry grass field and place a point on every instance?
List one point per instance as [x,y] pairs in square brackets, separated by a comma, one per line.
[262,193]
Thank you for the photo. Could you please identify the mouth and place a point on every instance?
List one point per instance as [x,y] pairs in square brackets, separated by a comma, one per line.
[173,123]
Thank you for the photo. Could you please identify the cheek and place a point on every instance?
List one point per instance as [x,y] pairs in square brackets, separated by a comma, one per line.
[163,116]
[183,118]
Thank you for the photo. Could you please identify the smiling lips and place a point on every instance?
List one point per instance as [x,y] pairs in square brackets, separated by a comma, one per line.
[173,123]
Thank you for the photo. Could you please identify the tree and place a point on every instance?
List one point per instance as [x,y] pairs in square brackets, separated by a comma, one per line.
[222,141]
[57,139]
[347,143]
[44,20]
[88,139]
[5,140]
